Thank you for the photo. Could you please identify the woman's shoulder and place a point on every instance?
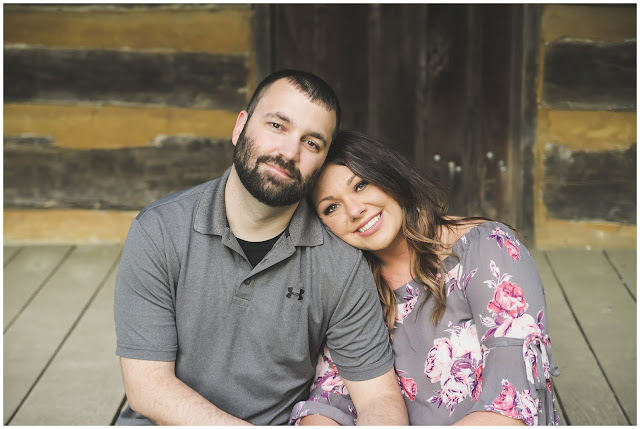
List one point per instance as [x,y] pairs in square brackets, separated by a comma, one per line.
[481,233]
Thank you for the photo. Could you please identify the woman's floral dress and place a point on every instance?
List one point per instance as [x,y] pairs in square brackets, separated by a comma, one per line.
[490,352]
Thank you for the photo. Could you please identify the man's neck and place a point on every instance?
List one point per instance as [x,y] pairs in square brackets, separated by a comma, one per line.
[248,218]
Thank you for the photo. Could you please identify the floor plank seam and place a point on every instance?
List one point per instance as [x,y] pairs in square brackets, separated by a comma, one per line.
[567,421]
[595,356]
[39,288]
[66,337]
[13,257]
[626,286]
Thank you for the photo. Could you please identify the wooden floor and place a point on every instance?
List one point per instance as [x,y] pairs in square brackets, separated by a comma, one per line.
[59,340]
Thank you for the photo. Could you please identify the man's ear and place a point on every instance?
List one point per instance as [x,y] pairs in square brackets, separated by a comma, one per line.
[241,121]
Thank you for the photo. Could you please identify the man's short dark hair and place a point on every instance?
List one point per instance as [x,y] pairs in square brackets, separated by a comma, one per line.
[317,89]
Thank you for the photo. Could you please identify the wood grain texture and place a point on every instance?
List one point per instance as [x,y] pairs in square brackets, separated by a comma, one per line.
[180,79]
[83,385]
[122,179]
[25,275]
[588,75]
[35,337]
[582,388]
[607,315]
[201,29]
[625,264]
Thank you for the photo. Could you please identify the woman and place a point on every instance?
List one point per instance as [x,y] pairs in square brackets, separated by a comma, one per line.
[461,296]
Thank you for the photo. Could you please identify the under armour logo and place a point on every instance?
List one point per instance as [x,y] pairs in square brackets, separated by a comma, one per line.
[291,292]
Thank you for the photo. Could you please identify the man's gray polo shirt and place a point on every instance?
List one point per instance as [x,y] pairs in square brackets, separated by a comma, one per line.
[245,338]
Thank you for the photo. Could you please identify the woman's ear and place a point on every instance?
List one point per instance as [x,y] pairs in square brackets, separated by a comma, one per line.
[241,121]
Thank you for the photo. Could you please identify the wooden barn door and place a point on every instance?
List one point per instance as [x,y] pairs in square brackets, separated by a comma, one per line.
[450,86]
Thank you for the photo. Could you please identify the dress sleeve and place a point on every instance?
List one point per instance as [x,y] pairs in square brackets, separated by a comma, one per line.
[506,298]
[329,396]
[144,303]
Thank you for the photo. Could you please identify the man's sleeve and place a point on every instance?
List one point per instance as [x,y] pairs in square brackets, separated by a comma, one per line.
[143,302]
[357,336]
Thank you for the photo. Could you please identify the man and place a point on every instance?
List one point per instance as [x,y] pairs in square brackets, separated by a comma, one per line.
[226,291]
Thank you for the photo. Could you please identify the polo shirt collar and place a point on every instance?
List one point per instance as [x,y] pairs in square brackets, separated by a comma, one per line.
[305,228]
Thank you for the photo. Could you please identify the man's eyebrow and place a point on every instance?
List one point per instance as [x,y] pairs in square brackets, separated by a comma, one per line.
[280,116]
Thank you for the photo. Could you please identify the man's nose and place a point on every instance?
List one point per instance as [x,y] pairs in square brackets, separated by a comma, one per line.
[290,149]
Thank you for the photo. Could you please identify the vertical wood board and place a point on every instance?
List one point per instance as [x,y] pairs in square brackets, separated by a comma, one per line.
[581,386]
[25,274]
[83,385]
[39,331]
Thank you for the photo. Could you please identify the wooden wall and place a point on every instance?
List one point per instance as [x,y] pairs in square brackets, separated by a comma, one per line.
[585,173]
[110,107]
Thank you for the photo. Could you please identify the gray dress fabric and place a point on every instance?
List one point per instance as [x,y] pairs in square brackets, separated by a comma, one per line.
[490,351]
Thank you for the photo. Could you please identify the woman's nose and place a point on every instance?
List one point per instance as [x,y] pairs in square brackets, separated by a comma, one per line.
[356,209]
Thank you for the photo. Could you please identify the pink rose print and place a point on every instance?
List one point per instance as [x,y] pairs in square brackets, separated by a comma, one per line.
[505,403]
[453,392]
[513,250]
[508,298]
[454,362]
[477,388]
[408,385]
[528,408]
[409,302]
[439,360]
[502,238]
[327,376]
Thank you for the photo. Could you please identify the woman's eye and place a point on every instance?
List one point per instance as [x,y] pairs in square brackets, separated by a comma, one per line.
[330,209]
[360,186]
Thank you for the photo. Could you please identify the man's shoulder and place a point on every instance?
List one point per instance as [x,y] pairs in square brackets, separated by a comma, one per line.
[335,252]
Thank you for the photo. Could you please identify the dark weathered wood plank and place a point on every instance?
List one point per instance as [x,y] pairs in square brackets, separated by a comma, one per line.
[36,176]
[625,264]
[590,185]
[8,253]
[607,316]
[83,384]
[25,274]
[182,79]
[590,75]
[34,338]
[581,387]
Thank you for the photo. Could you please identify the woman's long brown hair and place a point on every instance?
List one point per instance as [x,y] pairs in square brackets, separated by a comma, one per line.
[424,204]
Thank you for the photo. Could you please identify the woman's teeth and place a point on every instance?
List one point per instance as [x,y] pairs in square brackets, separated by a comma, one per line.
[369,224]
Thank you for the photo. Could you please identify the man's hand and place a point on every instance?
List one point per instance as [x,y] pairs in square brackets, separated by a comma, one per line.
[154,391]
[378,401]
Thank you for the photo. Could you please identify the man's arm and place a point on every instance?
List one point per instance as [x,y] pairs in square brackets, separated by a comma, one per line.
[378,401]
[154,391]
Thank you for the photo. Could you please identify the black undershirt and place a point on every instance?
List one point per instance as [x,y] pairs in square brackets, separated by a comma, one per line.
[256,250]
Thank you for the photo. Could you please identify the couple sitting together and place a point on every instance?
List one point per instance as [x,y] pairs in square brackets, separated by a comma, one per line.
[321,281]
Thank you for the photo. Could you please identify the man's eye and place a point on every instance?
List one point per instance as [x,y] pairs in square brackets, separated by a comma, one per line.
[330,209]
[313,144]
[360,186]
[276,125]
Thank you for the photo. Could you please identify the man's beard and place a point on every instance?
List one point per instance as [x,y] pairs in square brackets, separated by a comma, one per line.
[265,188]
